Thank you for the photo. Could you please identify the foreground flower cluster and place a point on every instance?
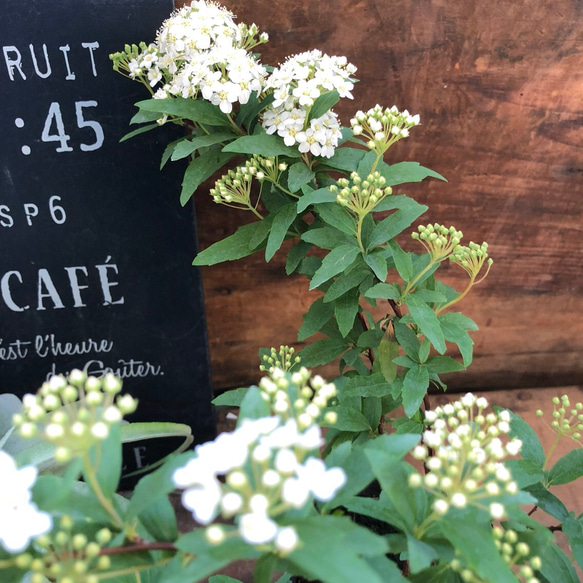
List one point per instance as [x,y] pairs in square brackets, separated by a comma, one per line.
[463,450]
[266,467]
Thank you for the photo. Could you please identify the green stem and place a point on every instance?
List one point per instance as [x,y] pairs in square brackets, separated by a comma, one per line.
[237,129]
[422,528]
[551,451]
[455,300]
[411,284]
[131,570]
[359,234]
[105,503]
[378,158]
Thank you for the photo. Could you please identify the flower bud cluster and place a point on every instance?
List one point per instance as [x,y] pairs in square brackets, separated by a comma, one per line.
[284,359]
[199,51]
[361,196]
[75,412]
[20,519]
[382,128]
[472,258]
[263,168]
[296,86]
[440,241]
[567,419]
[266,468]
[463,451]
[515,553]
[69,557]
[234,189]
[299,397]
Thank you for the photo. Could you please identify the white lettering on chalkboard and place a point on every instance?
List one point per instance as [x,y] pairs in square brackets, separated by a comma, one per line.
[125,369]
[48,345]
[13,59]
[30,210]
[47,295]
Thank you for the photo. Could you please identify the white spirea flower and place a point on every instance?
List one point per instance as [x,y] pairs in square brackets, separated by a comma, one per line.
[20,519]
[286,539]
[257,528]
[497,510]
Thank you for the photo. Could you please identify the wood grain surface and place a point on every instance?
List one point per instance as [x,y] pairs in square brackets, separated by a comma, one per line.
[499,87]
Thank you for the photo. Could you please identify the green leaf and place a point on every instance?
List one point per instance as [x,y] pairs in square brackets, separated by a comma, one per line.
[324,237]
[336,216]
[187,147]
[548,502]
[387,351]
[334,263]
[415,386]
[378,264]
[233,247]
[159,519]
[262,145]
[532,449]
[387,291]
[323,104]
[230,398]
[250,110]
[348,419]
[143,116]
[298,175]
[567,469]
[332,550]
[402,260]
[420,554]
[389,228]
[443,364]
[199,169]
[322,352]
[345,158]
[406,172]
[524,472]
[345,310]
[318,314]
[346,282]
[295,256]
[476,544]
[142,130]
[282,221]
[319,196]
[253,406]
[407,339]
[556,566]
[573,528]
[264,567]
[374,385]
[456,333]
[196,110]
[427,321]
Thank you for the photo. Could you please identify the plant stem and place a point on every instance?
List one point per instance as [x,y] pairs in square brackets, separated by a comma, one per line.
[551,450]
[105,503]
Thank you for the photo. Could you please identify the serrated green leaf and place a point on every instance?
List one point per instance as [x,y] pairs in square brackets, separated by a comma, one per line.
[387,351]
[333,214]
[319,196]
[532,449]
[295,256]
[334,263]
[346,159]
[345,310]
[324,237]
[524,472]
[262,145]
[199,169]
[427,321]
[373,385]
[282,220]
[346,282]
[137,132]
[196,110]
[187,147]
[396,223]
[143,116]
[323,104]
[232,398]
[415,386]
[443,364]
[298,175]
[387,291]
[419,554]
[548,502]
[407,339]
[404,172]
[402,260]
[567,469]
[378,264]
[322,352]
[233,247]
[318,314]
[573,528]
[347,419]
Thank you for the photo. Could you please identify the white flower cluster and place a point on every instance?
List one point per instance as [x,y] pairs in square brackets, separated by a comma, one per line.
[463,453]
[296,86]
[200,50]
[75,412]
[20,519]
[382,128]
[267,470]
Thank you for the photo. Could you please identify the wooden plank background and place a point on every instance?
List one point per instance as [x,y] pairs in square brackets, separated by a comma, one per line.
[499,87]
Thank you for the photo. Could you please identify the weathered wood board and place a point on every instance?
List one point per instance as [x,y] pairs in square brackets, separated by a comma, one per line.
[499,87]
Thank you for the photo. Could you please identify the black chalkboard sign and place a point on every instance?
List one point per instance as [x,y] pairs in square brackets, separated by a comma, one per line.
[95,250]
